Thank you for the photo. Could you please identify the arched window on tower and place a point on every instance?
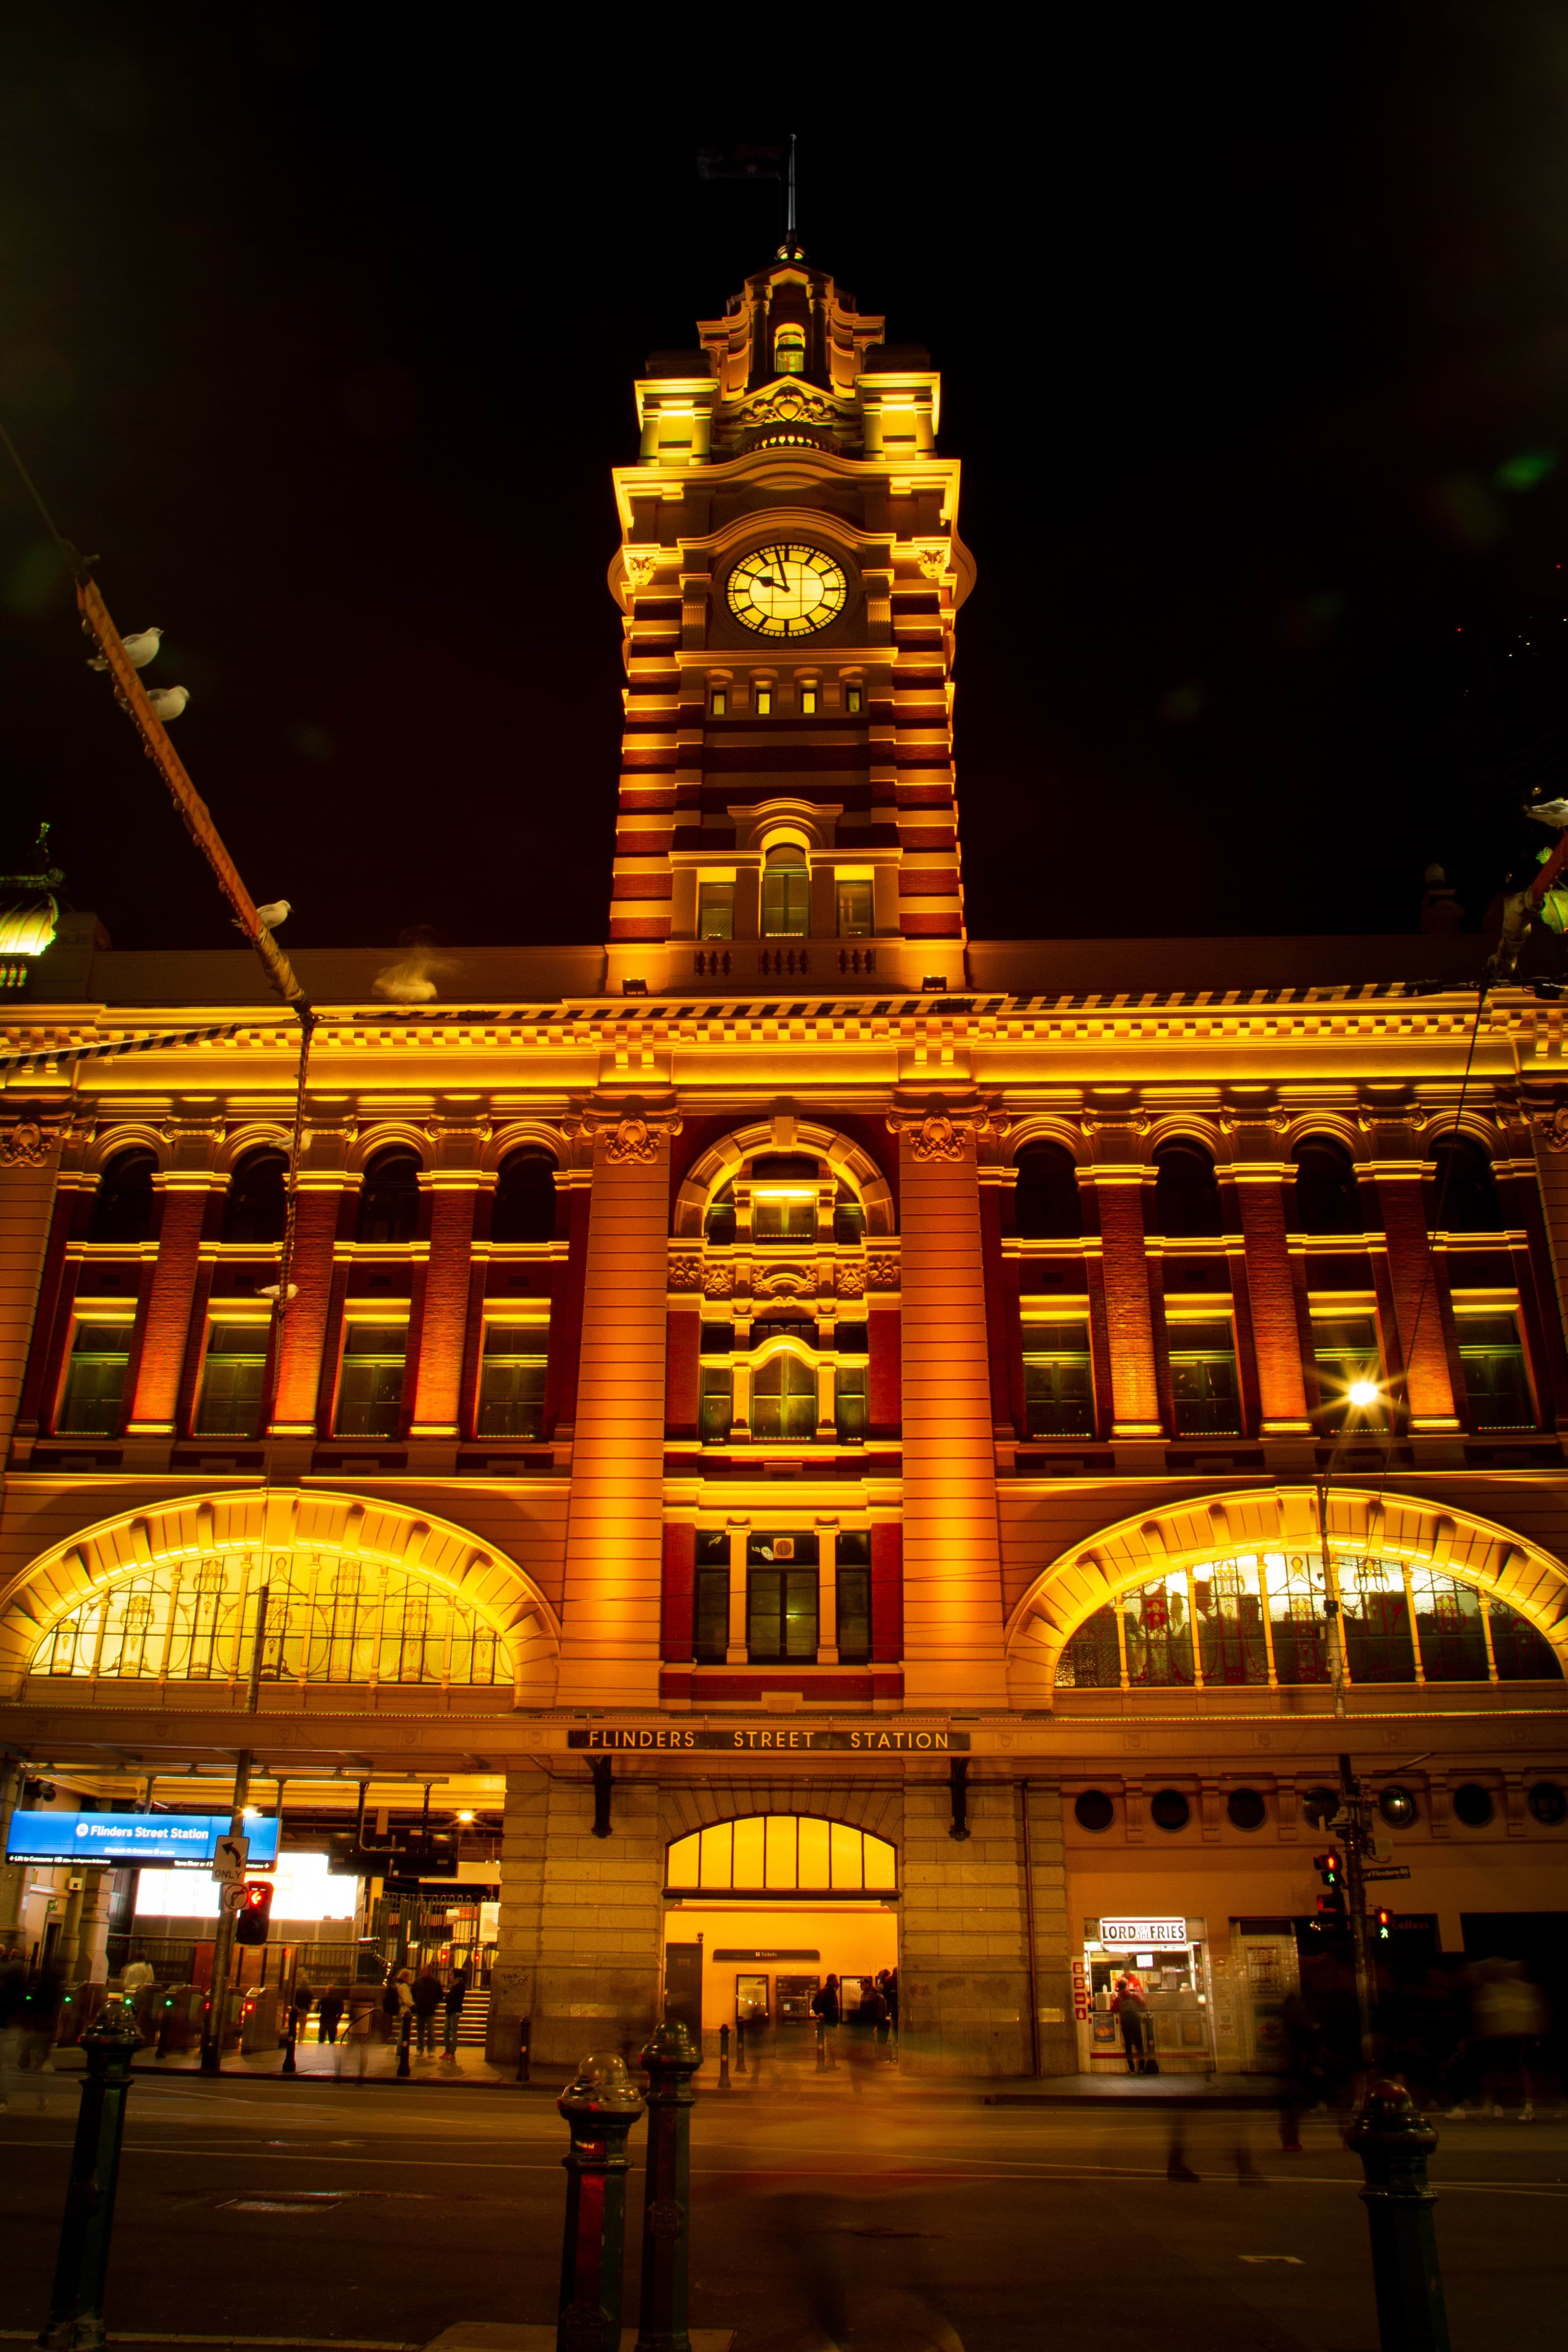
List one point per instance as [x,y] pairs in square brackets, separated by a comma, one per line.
[255,1203]
[1047,1202]
[789,352]
[1328,1198]
[524,1208]
[784,1399]
[122,1205]
[786,893]
[1187,1197]
[389,1197]
[1463,1197]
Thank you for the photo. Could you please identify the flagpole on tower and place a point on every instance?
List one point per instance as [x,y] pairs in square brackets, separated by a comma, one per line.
[790,229]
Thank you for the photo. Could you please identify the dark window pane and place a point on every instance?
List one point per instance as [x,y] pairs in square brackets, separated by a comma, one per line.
[1058,1384]
[784,1400]
[715,1411]
[95,1379]
[370,1391]
[1187,1197]
[854,1546]
[1047,1204]
[255,1208]
[848,1223]
[852,1338]
[122,1205]
[850,1403]
[783,1615]
[232,1375]
[712,1624]
[786,901]
[511,1382]
[718,1225]
[1328,1198]
[1449,1628]
[1090,1659]
[1496,1386]
[1522,1654]
[854,1613]
[1463,1195]
[716,1339]
[1377,1620]
[389,1199]
[1203,1380]
[524,1206]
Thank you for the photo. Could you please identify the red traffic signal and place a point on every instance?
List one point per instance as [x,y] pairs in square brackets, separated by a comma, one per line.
[1385,1925]
[1329,1869]
[254,1915]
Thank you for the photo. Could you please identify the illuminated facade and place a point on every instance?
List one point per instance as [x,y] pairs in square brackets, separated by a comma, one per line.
[796,1383]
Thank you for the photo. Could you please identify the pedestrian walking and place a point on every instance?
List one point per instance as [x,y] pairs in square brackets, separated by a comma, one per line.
[138,1973]
[455,1992]
[303,2002]
[363,2025]
[1130,2007]
[329,2010]
[12,2003]
[827,2010]
[874,2016]
[427,2000]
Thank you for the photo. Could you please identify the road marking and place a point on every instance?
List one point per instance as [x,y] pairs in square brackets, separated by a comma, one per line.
[1273,2258]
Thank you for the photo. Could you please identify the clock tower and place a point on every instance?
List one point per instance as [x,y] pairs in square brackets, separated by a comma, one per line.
[790,572]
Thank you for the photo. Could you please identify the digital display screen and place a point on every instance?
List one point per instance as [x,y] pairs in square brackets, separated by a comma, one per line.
[178,1840]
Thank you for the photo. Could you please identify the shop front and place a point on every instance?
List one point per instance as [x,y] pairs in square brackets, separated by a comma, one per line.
[1166,1960]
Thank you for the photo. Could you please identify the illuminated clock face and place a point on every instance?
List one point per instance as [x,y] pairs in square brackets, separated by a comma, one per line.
[787,591]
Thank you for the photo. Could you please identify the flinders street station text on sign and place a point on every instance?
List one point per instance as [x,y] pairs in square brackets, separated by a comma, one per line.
[873,1741]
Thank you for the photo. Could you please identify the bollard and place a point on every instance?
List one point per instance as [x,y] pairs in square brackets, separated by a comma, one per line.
[1394,2142]
[821,2046]
[740,2045]
[525,2047]
[724,2057]
[75,2323]
[291,2036]
[404,2034]
[670,2062]
[599,2104]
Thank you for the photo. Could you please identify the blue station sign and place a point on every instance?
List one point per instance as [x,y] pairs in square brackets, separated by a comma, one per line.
[178,1840]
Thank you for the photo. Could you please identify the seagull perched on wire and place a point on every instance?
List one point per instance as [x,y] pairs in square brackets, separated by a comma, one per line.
[278,1291]
[168,701]
[139,648]
[276,912]
[1551,812]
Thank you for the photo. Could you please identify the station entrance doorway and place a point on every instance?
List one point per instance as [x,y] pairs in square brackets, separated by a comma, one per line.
[759,1914]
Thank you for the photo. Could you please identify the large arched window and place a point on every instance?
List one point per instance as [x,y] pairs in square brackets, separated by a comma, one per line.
[1263,1617]
[784,1398]
[1047,1199]
[330,1618]
[524,1208]
[782,1854]
[122,1205]
[786,893]
[1328,1198]
[256,1200]
[1187,1197]
[1463,1197]
[389,1197]
[789,351]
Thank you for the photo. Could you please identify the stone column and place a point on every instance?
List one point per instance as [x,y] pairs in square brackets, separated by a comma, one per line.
[524,1822]
[29,1162]
[953,1612]
[445,1321]
[1259,1173]
[1117,1174]
[1040,1808]
[13,1874]
[614,1540]
[92,1946]
[168,1325]
[964,1986]
[1413,1279]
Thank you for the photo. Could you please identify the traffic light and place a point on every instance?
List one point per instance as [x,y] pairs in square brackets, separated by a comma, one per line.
[254,1914]
[1330,1868]
[1385,1925]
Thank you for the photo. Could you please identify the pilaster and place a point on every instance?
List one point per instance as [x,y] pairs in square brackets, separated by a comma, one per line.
[1413,1278]
[167,1328]
[1259,1172]
[1117,1174]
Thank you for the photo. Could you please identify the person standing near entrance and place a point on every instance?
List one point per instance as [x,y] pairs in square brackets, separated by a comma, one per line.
[427,1997]
[825,2009]
[1130,2007]
[329,2012]
[455,1992]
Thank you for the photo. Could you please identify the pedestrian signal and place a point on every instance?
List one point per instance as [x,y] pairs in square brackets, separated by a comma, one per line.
[1385,1925]
[254,1914]
[1330,1868]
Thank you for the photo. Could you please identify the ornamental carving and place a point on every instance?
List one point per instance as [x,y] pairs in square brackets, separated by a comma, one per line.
[1102,1122]
[686,1273]
[933,561]
[785,1282]
[848,1281]
[937,1137]
[881,1274]
[718,1282]
[25,1146]
[792,403]
[1552,1126]
[640,569]
[632,1140]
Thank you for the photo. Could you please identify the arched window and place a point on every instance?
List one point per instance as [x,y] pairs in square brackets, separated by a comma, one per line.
[786,893]
[1224,1621]
[389,1197]
[1328,1198]
[524,1208]
[789,352]
[718,1225]
[122,1205]
[1048,1205]
[330,1618]
[256,1200]
[785,1854]
[1187,1197]
[1463,1194]
[784,1398]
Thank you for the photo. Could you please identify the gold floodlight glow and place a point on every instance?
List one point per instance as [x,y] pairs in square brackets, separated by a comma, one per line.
[1364,1393]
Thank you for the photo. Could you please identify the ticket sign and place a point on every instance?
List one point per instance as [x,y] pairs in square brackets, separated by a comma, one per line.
[1149,1935]
[183,1841]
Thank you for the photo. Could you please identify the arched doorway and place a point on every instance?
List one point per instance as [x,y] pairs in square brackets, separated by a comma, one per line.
[760,1913]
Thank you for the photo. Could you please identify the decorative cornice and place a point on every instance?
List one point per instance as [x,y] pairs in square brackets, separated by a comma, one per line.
[938,1126]
[632,1126]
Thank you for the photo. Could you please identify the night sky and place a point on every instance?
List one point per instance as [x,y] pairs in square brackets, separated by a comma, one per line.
[320,328]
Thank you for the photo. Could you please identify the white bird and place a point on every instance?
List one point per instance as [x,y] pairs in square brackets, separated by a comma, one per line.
[1551,812]
[139,649]
[275,1291]
[168,701]
[276,912]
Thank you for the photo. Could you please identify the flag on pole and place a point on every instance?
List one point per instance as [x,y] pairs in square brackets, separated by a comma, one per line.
[740,163]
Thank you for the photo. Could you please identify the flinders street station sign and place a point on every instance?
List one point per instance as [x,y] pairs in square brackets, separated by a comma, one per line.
[745,1737]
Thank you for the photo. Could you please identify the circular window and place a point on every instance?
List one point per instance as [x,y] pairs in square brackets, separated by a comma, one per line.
[1473,1805]
[1319,1806]
[1548,1804]
[1094,1810]
[1246,1808]
[1170,1810]
[1397,1807]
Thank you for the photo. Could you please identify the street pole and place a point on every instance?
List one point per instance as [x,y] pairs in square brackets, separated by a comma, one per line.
[599,2105]
[1394,2142]
[75,2323]
[216,2018]
[670,2062]
[1353,1811]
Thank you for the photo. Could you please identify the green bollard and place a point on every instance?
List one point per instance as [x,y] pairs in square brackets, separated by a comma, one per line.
[599,2104]
[670,2062]
[404,2035]
[75,2323]
[1394,2142]
[724,2057]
